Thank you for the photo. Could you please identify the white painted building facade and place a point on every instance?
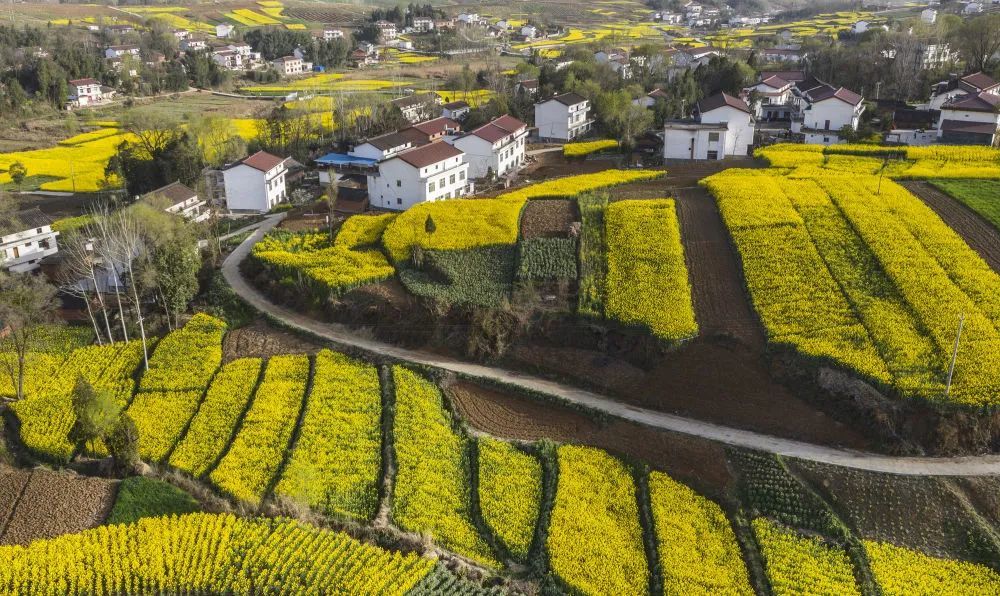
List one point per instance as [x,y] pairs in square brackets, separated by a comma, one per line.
[723,127]
[433,172]
[563,117]
[26,240]
[255,184]
[496,147]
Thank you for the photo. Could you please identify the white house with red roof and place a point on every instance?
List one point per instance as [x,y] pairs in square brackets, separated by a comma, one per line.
[826,110]
[970,120]
[723,126]
[432,172]
[496,147]
[256,183]
[971,84]
[774,96]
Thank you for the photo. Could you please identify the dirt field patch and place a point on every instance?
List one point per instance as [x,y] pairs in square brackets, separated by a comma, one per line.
[696,462]
[548,219]
[977,232]
[717,380]
[55,503]
[263,340]
[12,483]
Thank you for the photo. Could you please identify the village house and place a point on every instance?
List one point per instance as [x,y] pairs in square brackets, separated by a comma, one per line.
[121,51]
[775,99]
[359,58]
[780,55]
[224,30]
[26,239]
[935,55]
[423,24]
[429,173]
[387,30]
[955,86]
[290,66]
[528,87]
[120,29]
[722,126]
[496,148]
[256,183]
[928,16]
[563,117]
[825,110]
[970,120]
[331,33]
[418,107]
[88,92]
[180,34]
[178,199]
[649,100]
[456,110]
[193,44]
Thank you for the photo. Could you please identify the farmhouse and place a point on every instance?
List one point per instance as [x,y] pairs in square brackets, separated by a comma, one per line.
[649,100]
[423,24]
[723,126]
[827,110]
[495,148]
[290,65]
[417,107]
[178,199]
[970,120]
[256,183]
[955,86]
[121,51]
[456,110]
[224,30]
[387,30]
[25,240]
[193,44]
[429,173]
[775,99]
[331,33]
[87,92]
[527,87]
[563,117]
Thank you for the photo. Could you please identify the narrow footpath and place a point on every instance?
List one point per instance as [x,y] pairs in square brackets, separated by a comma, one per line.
[340,335]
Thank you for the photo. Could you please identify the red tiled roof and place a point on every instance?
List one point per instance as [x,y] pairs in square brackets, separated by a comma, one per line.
[175,192]
[498,129]
[263,161]
[82,82]
[658,93]
[978,81]
[421,157]
[981,102]
[981,128]
[824,92]
[775,82]
[437,126]
[720,100]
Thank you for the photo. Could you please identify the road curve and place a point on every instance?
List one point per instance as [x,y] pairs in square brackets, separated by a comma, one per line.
[922,466]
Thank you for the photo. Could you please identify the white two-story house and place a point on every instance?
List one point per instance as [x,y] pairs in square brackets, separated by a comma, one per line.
[826,110]
[432,172]
[563,117]
[775,98]
[255,184]
[25,240]
[722,126]
[178,199]
[86,92]
[331,33]
[418,106]
[972,84]
[290,66]
[496,147]
[970,120]
[121,51]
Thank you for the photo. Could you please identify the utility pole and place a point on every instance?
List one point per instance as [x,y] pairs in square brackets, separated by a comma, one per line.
[954,354]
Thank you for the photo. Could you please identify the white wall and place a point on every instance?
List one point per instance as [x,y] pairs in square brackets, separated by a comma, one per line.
[552,120]
[29,247]
[837,112]
[740,130]
[399,185]
[482,155]
[246,189]
[964,116]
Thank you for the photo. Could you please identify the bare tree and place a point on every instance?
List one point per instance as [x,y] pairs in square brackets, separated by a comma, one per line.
[106,246]
[80,266]
[128,245]
[979,41]
[26,302]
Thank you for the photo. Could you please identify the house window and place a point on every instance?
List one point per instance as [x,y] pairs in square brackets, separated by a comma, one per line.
[826,139]
[713,137]
[38,231]
[399,201]
[430,188]
[827,126]
[399,184]
[451,179]
[461,175]
[713,155]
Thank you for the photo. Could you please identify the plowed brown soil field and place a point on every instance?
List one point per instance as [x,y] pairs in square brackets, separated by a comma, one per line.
[54,503]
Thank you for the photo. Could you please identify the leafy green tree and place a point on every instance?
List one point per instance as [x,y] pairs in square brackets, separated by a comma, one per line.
[96,412]
[122,443]
[17,173]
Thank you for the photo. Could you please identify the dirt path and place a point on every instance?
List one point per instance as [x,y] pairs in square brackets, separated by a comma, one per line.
[976,231]
[340,335]
[720,301]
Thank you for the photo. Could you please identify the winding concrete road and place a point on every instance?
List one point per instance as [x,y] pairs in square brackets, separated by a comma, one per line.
[338,334]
